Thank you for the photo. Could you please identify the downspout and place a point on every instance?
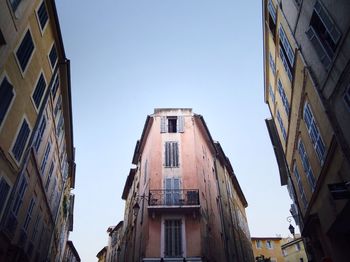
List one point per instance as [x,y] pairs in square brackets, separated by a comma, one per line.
[221,210]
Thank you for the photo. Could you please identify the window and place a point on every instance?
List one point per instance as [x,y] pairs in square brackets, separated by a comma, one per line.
[42,15]
[284,252]
[171,154]
[52,166]
[29,214]
[59,126]
[6,96]
[19,197]
[280,122]
[46,156]
[283,97]
[306,165]
[15,4]
[286,53]
[39,90]
[55,85]
[25,51]
[272,64]
[172,124]
[297,246]
[173,238]
[40,133]
[21,141]
[314,133]
[172,191]
[346,98]
[300,186]
[145,172]
[58,105]
[53,56]
[258,244]
[272,18]
[2,39]
[272,95]
[4,192]
[269,244]
[323,34]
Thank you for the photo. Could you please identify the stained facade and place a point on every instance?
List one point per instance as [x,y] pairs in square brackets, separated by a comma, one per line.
[183,199]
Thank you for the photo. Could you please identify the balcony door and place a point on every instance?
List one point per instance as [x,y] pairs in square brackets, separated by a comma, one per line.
[172,191]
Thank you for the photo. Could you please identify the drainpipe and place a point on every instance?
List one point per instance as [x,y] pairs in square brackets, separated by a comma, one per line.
[221,211]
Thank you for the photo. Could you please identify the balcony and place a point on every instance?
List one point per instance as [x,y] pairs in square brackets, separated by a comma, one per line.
[174,199]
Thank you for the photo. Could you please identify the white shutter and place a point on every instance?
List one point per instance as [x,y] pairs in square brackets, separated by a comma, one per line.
[180,124]
[163,124]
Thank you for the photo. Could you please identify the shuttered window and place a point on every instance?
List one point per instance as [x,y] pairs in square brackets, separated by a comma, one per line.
[300,185]
[53,56]
[42,15]
[272,95]
[21,141]
[282,128]
[172,124]
[323,34]
[45,158]
[6,96]
[286,53]
[171,154]
[272,64]
[4,191]
[173,238]
[29,214]
[47,184]
[55,85]
[39,91]
[40,134]
[19,196]
[172,191]
[283,96]
[306,165]
[25,51]
[314,133]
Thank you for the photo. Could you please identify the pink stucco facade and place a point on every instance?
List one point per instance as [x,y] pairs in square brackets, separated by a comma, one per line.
[176,191]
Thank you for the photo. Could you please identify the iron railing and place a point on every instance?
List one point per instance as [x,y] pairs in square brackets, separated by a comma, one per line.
[173,197]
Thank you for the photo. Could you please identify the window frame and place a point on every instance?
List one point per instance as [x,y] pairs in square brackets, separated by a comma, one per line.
[283,96]
[171,154]
[41,73]
[306,165]
[24,118]
[314,133]
[8,182]
[183,234]
[281,125]
[2,78]
[300,185]
[42,30]
[53,45]
[258,244]
[23,72]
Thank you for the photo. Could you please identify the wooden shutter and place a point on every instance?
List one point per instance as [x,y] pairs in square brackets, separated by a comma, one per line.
[180,124]
[163,124]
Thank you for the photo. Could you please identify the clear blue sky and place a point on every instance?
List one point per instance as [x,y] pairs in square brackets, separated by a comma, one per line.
[129,57]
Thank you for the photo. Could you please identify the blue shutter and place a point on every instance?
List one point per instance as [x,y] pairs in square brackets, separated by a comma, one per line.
[4,190]
[21,141]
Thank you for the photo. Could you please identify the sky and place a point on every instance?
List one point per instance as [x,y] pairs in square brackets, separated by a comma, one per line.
[131,56]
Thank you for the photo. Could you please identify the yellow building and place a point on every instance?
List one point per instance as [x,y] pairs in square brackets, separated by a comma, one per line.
[37,166]
[306,81]
[269,247]
[293,250]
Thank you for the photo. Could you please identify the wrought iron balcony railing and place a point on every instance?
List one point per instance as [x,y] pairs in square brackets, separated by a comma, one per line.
[174,197]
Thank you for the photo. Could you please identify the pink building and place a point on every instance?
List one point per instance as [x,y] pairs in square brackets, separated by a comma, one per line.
[183,200]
